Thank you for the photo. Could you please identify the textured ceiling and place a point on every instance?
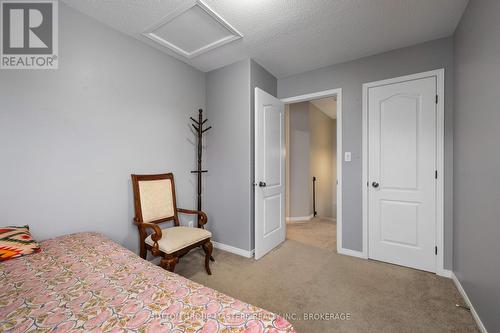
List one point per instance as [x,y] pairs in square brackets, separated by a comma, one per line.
[292,36]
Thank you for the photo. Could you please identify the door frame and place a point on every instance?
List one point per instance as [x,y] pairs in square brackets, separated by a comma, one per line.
[439,74]
[323,94]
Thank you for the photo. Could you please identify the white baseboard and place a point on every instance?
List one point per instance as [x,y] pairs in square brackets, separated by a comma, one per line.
[299,218]
[352,253]
[232,249]
[444,273]
[469,304]
[358,254]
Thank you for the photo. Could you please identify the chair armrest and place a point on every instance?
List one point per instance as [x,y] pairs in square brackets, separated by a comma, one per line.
[155,236]
[202,220]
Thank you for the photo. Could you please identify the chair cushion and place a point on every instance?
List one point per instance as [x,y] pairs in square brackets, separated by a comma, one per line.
[157,199]
[176,238]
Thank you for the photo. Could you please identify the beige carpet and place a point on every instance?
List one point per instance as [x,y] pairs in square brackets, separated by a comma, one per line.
[306,275]
[317,232]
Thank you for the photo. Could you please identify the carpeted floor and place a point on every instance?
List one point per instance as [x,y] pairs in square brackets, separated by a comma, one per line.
[305,275]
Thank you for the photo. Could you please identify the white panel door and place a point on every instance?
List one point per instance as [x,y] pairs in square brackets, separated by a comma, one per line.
[401,173]
[269,172]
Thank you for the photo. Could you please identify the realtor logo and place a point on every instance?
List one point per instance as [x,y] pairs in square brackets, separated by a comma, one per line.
[29,34]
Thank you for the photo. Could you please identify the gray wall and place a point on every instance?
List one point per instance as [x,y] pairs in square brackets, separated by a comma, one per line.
[70,138]
[477,161]
[230,155]
[228,188]
[322,155]
[350,76]
[299,160]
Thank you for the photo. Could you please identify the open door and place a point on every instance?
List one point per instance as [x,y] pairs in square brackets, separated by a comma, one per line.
[269,172]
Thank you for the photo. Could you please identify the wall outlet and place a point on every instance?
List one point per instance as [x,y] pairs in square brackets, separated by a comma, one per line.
[347,156]
[191,224]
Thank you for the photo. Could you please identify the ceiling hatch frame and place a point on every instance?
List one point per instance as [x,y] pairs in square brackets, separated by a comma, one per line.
[234,34]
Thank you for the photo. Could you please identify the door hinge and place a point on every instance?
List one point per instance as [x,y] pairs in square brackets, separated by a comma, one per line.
[437,99]
[436,174]
[435,250]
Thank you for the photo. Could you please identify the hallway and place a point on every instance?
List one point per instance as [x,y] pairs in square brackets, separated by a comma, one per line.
[318,232]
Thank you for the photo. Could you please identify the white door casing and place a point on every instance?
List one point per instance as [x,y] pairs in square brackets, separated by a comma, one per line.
[339,153]
[401,180]
[270,228]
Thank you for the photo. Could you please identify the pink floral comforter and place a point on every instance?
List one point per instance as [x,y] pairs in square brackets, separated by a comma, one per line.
[87,283]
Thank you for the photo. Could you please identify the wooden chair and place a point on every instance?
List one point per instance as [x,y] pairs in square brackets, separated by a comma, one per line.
[154,203]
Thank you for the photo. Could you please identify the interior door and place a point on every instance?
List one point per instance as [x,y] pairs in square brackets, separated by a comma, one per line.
[402,173]
[269,172]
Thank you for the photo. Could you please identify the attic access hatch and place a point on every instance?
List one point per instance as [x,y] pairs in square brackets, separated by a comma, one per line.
[192,29]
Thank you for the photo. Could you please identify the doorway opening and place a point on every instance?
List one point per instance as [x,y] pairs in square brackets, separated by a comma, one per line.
[313,168]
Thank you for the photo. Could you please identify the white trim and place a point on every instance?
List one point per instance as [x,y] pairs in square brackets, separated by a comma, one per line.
[473,311]
[364,178]
[439,74]
[351,253]
[445,273]
[340,151]
[232,249]
[316,95]
[287,161]
[340,159]
[299,218]
[440,270]
[308,218]
[149,32]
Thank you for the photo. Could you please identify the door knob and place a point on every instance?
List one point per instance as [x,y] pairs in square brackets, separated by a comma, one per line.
[375,184]
[262,184]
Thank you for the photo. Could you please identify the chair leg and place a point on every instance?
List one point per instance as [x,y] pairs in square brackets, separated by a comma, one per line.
[142,252]
[169,263]
[208,247]
[211,257]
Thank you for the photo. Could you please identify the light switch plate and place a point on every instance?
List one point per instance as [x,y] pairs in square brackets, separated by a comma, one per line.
[347,156]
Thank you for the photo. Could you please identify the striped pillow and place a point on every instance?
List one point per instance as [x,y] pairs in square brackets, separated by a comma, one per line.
[16,242]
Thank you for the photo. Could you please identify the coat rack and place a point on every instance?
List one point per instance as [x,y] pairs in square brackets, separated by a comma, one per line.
[198,126]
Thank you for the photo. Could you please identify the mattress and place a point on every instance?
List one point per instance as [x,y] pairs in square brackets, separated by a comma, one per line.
[87,283]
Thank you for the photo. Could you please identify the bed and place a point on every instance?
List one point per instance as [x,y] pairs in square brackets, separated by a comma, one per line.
[86,283]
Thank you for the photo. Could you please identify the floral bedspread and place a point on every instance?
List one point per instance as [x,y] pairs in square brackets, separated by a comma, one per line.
[87,283]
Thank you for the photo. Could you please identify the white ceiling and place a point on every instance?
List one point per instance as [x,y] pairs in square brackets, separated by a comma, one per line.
[327,105]
[292,36]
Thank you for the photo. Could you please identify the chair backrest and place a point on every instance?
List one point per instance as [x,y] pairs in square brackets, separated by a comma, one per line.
[154,198]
